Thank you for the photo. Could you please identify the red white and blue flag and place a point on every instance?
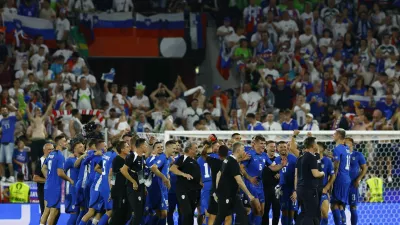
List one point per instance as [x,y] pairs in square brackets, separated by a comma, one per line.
[198,26]
[160,25]
[224,62]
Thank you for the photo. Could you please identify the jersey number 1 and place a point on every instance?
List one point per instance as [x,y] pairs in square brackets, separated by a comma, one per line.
[206,171]
[49,167]
[347,162]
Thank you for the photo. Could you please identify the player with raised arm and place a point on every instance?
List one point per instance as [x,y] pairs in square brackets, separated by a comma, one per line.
[325,183]
[161,170]
[252,171]
[53,170]
[95,201]
[358,169]
[70,191]
[287,191]
[340,192]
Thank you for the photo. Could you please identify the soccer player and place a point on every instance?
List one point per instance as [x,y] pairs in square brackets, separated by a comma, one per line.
[325,183]
[172,201]
[70,190]
[82,195]
[253,173]
[132,170]
[207,181]
[340,192]
[105,182]
[161,169]
[95,202]
[286,183]
[53,169]
[358,169]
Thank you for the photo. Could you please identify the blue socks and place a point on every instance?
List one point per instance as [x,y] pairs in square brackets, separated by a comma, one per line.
[324,221]
[103,220]
[257,220]
[343,214]
[72,219]
[82,223]
[337,217]
[162,221]
[354,216]
[81,214]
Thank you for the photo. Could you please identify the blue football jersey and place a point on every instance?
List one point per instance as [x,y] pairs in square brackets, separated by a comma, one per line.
[162,163]
[149,162]
[106,165]
[54,161]
[8,128]
[205,170]
[341,154]
[327,168]
[287,173]
[93,175]
[255,165]
[356,161]
[71,172]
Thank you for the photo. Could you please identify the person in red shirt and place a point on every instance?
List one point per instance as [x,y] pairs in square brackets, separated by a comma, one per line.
[218,94]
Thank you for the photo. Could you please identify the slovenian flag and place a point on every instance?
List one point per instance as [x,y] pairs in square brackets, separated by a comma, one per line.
[109,24]
[198,26]
[109,77]
[224,62]
[160,25]
[21,27]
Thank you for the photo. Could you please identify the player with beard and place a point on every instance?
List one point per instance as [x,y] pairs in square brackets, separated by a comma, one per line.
[70,191]
[95,204]
[270,180]
[286,189]
[252,171]
[53,170]
[133,171]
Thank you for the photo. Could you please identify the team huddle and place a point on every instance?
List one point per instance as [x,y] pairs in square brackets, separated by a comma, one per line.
[144,182]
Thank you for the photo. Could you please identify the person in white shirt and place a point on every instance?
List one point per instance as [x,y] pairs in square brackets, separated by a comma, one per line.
[329,13]
[58,87]
[307,16]
[91,80]
[39,42]
[225,29]
[30,84]
[63,51]
[13,92]
[311,124]
[37,59]
[251,98]
[192,114]
[210,123]
[84,6]
[252,13]
[386,47]
[269,123]
[23,73]
[84,97]
[45,76]
[287,24]
[380,85]
[308,40]
[62,26]
[178,105]
[140,101]
[9,7]
[301,109]
[112,92]
[122,5]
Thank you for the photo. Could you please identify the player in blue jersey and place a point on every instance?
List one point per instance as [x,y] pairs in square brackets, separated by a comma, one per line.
[358,169]
[172,201]
[53,170]
[253,174]
[105,182]
[287,198]
[70,190]
[326,183]
[340,191]
[95,201]
[161,169]
[207,181]
[82,200]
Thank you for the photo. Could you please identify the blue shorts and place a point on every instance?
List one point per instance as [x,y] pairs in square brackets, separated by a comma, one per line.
[353,195]
[205,198]
[256,191]
[107,201]
[79,197]
[86,196]
[286,203]
[70,204]
[96,201]
[340,193]
[324,197]
[157,199]
[53,198]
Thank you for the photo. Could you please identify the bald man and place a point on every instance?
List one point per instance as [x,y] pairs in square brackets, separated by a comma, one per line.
[38,176]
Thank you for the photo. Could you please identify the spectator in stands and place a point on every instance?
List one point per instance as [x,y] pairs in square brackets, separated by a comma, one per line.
[84,6]
[75,125]
[301,109]
[270,124]
[251,98]
[253,123]
[62,50]
[62,26]
[9,7]
[140,102]
[46,12]
[91,80]
[283,94]
[340,120]
[37,59]
[83,96]
[18,192]
[21,159]
[28,8]
[317,101]
[112,92]
[122,5]
[192,114]
[289,123]
[311,124]
[15,90]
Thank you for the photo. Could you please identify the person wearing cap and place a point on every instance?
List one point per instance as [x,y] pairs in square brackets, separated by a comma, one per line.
[62,26]
[311,124]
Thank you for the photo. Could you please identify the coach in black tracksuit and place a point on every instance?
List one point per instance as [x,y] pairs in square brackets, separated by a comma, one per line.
[133,171]
[188,183]
[270,180]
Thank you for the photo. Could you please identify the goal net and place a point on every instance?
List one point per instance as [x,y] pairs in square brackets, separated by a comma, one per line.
[380,149]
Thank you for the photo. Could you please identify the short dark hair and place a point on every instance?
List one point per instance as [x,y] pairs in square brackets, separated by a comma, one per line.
[341,132]
[280,142]
[223,151]
[140,142]
[98,142]
[58,138]
[350,139]
[236,146]
[259,137]
[234,134]
[75,144]
[92,142]
[170,142]
[119,146]
[126,135]
[322,145]
[20,176]
[269,142]
[251,116]
[74,112]
[156,143]
[309,142]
